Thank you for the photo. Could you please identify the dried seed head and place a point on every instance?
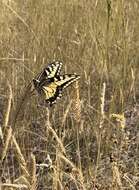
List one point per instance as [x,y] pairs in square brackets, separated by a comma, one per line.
[76,103]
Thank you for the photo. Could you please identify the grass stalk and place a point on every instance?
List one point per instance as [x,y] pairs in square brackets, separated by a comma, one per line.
[102,117]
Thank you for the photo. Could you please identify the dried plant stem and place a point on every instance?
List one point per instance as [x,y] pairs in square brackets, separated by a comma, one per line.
[22,20]
[33,182]
[56,179]
[102,106]
[15,116]
[74,168]
[7,113]
[22,180]
[66,160]
[78,147]
[5,124]
[21,158]
[15,186]
[19,106]
[50,129]
[131,182]
[1,136]
[6,144]
[116,176]
[76,103]
[62,148]
[132,88]
[100,127]
[76,108]
[66,113]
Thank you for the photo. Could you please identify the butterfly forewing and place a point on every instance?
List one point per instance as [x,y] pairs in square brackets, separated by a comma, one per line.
[52,70]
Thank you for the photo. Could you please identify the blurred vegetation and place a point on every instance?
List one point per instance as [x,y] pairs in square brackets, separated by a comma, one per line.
[84,145]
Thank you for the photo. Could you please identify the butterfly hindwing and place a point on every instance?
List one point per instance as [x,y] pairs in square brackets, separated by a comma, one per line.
[52,93]
[65,80]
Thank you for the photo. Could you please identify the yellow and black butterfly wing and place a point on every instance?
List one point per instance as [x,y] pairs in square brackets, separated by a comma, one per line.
[64,81]
[47,75]
[51,93]
[53,69]
[53,90]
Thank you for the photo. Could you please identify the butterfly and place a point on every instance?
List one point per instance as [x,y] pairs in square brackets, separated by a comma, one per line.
[50,84]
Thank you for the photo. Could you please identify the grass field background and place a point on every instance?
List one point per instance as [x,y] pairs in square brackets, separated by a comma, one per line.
[89,140]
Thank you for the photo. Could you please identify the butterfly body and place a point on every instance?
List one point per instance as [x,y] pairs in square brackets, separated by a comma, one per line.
[50,84]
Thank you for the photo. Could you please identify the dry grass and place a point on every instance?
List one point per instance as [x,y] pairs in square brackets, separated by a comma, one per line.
[89,140]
